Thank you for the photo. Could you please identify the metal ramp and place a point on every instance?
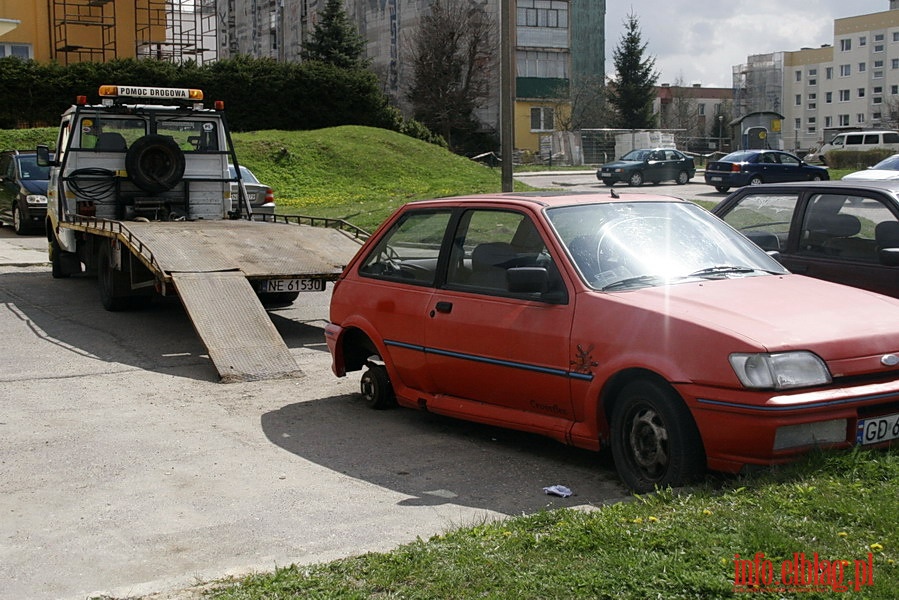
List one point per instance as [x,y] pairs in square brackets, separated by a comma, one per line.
[243,343]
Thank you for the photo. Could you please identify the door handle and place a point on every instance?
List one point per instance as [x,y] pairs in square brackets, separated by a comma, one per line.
[444,307]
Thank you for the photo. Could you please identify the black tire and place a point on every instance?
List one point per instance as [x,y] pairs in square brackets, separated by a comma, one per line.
[21,227]
[636,179]
[155,163]
[655,442]
[722,188]
[56,262]
[376,388]
[756,180]
[115,287]
[683,178]
[278,298]
[816,178]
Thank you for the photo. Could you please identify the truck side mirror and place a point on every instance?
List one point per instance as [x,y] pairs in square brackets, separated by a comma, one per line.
[43,157]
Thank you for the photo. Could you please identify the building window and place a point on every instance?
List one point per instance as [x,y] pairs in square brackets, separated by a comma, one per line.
[812,129]
[828,73]
[860,118]
[894,90]
[876,100]
[894,63]
[861,67]
[845,70]
[812,106]
[542,118]
[798,99]
[878,37]
[845,45]
[861,92]
[878,64]
[533,13]
[844,120]
[797,123]
[828,97]
[877,75]
[813,82]
[844,95]
[22,51]
[896,36]
[702,108]
[536,63]
[812,120]
[798,75]
[862,40]
[876,116]
[812,72]
[828,121]
[877,89]
[878,47]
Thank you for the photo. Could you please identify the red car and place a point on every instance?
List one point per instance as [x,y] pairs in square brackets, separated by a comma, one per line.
[643,323]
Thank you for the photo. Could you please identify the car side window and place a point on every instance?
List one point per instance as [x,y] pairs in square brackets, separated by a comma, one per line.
[488,243]
[786,159]
[764,218]
[410,250]
[847,227]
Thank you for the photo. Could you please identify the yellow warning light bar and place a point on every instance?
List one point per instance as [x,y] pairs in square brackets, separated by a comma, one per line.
[157,93]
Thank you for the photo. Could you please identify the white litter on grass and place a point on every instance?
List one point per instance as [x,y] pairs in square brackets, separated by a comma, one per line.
[558,490]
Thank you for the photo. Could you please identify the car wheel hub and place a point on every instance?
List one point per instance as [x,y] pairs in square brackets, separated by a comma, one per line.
[649,442]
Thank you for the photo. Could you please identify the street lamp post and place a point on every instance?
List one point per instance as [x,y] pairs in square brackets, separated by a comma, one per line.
[720,131]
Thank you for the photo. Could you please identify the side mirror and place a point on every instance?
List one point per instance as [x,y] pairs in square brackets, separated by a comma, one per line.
[43,157]
[527,280]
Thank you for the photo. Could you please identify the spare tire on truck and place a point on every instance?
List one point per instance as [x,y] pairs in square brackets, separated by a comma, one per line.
[155,163]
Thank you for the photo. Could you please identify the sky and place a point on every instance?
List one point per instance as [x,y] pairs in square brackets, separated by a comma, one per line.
[700,41]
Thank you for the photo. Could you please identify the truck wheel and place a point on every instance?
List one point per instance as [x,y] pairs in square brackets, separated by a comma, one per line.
[56,263]
[155,163]
[655,442]
[376,389]
[115,288]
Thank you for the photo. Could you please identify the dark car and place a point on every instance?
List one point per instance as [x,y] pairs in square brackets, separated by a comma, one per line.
[754,167]
[842,231]
[654,165]
[23,191]
[261,196]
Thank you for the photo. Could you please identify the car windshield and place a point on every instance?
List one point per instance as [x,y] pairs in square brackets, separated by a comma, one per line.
[888,164]
[737,157]
[637,155]
[29,168]
[624,245]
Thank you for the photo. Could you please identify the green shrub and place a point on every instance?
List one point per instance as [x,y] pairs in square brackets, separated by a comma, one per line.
[856,159]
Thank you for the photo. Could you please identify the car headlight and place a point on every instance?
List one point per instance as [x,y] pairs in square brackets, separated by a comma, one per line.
[35,199]
[780,371]
[619,170]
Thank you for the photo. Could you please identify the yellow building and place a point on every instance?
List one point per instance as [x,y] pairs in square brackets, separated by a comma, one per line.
[72,31]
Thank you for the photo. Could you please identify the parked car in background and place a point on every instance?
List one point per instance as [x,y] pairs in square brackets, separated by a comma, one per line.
[841,231]
[857,140]
[638,322]
[648,165]
[23,191]
[888,168]
[261,196]
[754,167]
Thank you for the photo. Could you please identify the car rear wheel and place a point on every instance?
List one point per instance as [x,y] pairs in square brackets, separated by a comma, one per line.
[376,388]
[636,179]
[756,180]
[655,442]
[683,178]
[722,188]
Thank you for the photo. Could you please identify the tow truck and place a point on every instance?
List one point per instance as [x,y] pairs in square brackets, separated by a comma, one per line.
[141,196]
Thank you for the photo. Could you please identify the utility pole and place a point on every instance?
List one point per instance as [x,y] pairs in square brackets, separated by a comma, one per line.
[507,90]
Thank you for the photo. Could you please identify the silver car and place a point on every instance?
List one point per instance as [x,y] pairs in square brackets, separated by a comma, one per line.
[261,196]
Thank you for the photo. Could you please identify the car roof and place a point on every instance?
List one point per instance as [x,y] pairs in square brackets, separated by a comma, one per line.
[548,199]
[883,185]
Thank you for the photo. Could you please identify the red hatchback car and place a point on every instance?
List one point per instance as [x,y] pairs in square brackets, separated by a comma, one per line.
[643,323]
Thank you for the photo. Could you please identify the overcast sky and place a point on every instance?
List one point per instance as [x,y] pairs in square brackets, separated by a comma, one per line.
[700,41]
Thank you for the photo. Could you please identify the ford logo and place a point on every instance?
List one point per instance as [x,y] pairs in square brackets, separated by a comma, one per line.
[889,360]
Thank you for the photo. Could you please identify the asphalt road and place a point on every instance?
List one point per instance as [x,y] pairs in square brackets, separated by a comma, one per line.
[127,469]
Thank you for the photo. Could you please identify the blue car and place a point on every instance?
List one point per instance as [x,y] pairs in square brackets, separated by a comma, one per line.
[754,167]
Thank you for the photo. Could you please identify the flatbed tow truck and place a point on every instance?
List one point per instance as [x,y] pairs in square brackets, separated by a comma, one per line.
[140,194]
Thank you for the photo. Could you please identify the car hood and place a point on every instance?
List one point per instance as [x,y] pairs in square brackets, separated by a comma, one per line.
[621,163]
[769,313]
[35,186]
[873,175]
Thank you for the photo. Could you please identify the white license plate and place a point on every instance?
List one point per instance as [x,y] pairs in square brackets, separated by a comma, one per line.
[714,179]
[877,429]
[292,285]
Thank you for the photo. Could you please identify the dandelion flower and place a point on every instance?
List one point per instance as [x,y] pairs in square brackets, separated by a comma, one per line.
[875,547]
[638,520]
[706,512]
[843,534]
[653,519]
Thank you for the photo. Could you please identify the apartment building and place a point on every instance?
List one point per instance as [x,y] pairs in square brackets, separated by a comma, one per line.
[852,82]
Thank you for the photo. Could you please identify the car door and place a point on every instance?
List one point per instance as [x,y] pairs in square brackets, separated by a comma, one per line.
[838,236]
[789,169]
[765,217]
[656,166]
[492,345]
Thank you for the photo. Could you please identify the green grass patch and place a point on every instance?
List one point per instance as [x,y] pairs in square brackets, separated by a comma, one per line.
[673,544]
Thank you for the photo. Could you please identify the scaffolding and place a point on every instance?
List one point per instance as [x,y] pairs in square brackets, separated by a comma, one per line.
[83,30]
[758,85]
[170,30]
[175,30]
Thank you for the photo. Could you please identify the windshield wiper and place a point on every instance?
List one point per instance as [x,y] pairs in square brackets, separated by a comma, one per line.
[721,270]
[629,281]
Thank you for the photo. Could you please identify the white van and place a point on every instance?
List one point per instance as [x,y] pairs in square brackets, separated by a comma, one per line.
[857,140]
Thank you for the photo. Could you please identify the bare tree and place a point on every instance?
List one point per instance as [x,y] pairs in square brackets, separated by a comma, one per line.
[451,54]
